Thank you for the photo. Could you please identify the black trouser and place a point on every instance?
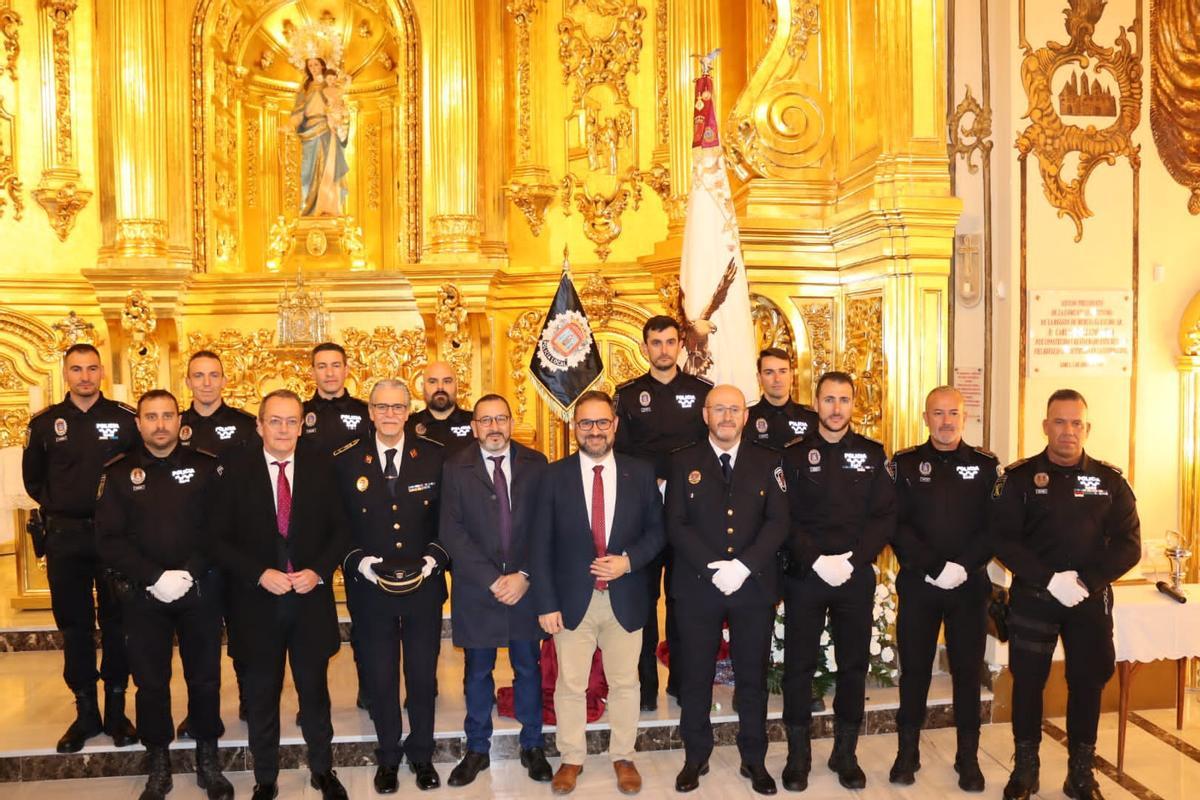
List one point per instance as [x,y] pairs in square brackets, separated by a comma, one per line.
[750,627]
[150,629]
[384,626]
[923,610]
[656,571]
[73,567]
[1035,622]
[354,592]
[806,601]
[264,683]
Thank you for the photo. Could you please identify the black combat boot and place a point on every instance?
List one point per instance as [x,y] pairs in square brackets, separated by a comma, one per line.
[966,762]
[908,757]
[158,765]
[1081,783]
[1024,779]
[208,772]
[799,758]
[844,760]
[86,725]
[116,724]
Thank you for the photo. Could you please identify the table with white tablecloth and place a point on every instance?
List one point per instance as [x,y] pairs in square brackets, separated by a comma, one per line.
[1149,626]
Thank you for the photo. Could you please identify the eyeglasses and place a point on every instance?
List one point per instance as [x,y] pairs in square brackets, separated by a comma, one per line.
[499,419]
[393,408]
[722,411]
[599,424]
[280,423]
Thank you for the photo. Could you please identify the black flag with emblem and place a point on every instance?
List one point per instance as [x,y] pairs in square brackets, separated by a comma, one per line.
[566,362]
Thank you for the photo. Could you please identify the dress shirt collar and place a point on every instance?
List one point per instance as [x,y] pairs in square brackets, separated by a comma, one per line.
[733,451]
[381,447]
[609,462]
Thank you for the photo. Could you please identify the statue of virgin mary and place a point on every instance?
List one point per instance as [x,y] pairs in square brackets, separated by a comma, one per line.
[321,119]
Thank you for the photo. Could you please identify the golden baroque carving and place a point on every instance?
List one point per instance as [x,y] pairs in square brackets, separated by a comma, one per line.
[771,328]
[523,12]
[780,123]
[223,192]
[139,321]
[456,348]
[71,330]
[386,353]
[371,134]
[594,60]
[1174,89]
[967,140]
[61,12]
[662,110]
[622,367]
[658,178]
[9,180]
[670,297]
[532,199]
[17,326]
[1048,137]
[863,359]
[522,334]
[13,422]
[10,381]
[10,43]
[602,212]
[597,297]
[818,325]
[62,203]
[253,128]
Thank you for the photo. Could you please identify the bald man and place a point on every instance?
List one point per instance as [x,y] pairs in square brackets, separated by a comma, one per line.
[441,419]
[942,489]
[727,517]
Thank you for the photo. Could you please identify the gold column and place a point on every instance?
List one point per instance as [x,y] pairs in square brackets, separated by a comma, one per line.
[1189,464]
[178,152]
[531,189]
[491,69]
[453,130]
[131,97]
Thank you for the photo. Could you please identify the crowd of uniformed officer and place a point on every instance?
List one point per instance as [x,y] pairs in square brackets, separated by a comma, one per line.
[763,503]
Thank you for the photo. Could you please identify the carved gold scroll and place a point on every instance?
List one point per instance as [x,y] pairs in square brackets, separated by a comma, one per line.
[1175,91]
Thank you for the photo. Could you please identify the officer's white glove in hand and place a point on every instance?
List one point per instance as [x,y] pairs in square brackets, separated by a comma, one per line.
[171,585]
[729,575]
[834,570]
[364,568]
[430,566]
[951,577]
[1067,589]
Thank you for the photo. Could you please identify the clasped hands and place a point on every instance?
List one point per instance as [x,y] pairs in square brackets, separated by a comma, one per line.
[1067,588]
[171,585]
[834,569]
[278,582]
[952,576]
[729,575]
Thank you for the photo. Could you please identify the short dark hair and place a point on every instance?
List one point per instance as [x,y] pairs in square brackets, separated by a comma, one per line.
[205,354]
[772,352]
[156,394]
[323,347]
[659,322]
[836,376]
[487,398]
[594,395]
[1065,394]
[80,347]
[286,394]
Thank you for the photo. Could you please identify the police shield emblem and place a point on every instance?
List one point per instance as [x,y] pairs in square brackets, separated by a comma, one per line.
[760,424]
[185,433]
[420,429]
[1041,480]
[694,477]
[60,427]
[310,419]
[362,483]
[925,468]
[644,398]
[814,457]
[137,476]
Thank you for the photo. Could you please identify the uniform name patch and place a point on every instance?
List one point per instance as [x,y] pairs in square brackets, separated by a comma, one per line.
[421,487]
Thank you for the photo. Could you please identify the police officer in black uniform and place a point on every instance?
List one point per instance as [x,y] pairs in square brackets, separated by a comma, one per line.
[441,420]
[660,413]
[209,424]
[332,417]
[390,485]
[942,493]
[843,512]
[727,517]
[1067,526]
[776,418]
[65,450]
[154,527]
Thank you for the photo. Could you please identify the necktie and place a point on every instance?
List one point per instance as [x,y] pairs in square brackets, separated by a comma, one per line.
[283,502]
[726,467]
[598,519]
[389,470]
[505,526]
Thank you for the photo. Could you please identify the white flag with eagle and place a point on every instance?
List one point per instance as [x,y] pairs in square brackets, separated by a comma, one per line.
[715,298]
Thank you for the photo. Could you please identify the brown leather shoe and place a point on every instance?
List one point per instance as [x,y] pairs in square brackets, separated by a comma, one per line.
[564,779]
[628,779]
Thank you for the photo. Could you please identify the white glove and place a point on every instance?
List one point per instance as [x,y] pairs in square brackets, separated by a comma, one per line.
[951,577]
[729,575]
[430,566]
[364,568]
[834,570]
[171,585]
[1067,589]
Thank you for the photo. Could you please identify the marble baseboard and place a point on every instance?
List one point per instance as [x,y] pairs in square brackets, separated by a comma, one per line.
[449,747]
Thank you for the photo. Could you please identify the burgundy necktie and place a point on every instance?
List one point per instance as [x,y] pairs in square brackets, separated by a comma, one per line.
[283,502]
[598,519]
[505,526]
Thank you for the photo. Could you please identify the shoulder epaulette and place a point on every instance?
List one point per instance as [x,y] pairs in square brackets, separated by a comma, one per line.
[983,451]
[869,440]
[681,448]
[629,382]
[114,460]
[1016,464]
[430,441]
[127,407]
[906,451]
[1113,467]
[38,414]
[796,440]
[202,451]
[703,379]
[243,412]
[346,447]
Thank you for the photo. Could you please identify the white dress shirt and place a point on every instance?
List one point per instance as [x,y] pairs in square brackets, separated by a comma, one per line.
[733,451]
[289,467]
[505,467]
[609,476]
[383,448]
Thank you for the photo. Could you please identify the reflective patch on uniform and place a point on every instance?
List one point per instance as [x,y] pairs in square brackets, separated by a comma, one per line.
[185,433]
[685,400]
[422,487]
[461,431]
[855,461]
[60,427]
[760,424]
[780,480]
[183,476]
[100,488]
[220,469]
[1089,485]
[108,430]
[998,488]
[967,473]
[351,421]
[225,432]
[798,426]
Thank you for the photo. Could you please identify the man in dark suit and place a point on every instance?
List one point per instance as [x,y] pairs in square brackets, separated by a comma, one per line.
[389,486]
[727,517]
[600,524]
[284,536]
[489,504]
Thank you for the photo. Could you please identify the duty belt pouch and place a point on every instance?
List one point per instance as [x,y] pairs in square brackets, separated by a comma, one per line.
[119,584]
[36,528]
[998,613]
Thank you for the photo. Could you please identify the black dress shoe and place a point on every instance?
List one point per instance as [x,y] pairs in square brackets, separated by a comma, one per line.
[760,780]
[387,779]
[534,760]
[471,765]
[427,777]
[329,786]
[688,779]
[265,791]
[649,701]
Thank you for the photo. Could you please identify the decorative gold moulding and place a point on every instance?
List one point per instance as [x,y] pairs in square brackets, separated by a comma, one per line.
[454,233]
[62,199]
[315,243]
[532,199]
[141,237]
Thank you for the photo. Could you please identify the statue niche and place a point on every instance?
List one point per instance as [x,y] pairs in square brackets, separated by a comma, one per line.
[309,114]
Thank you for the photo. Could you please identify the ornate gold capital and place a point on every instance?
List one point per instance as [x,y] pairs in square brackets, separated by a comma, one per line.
[454,233]
[62,200]
[136,237]
[532,199]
